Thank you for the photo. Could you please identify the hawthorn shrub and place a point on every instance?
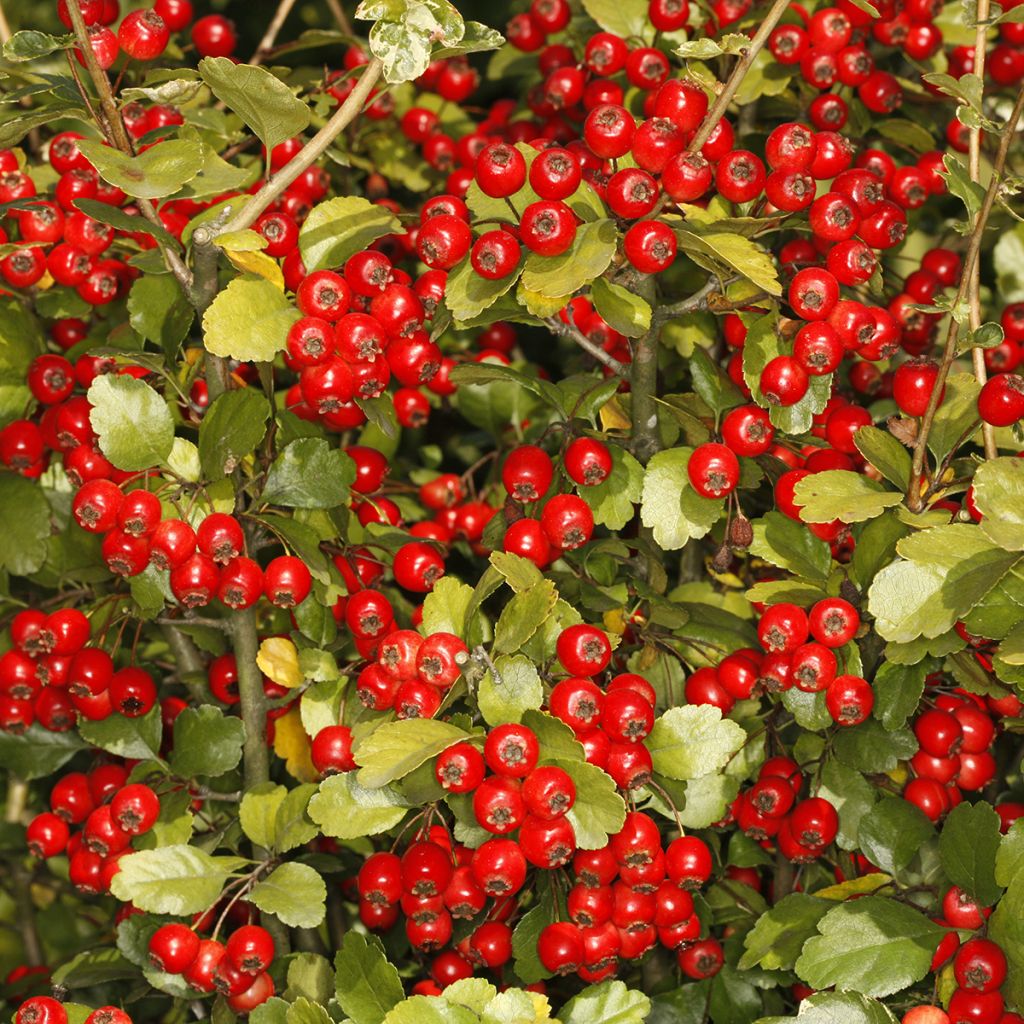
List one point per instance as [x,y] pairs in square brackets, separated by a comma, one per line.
[500,531]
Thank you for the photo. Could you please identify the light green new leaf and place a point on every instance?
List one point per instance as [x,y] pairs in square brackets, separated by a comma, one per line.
[248,320]
[519,690]
[999,496]
[176,880]
[341,227]
[790,545]
[775,941]
[625,312]
[395,749]
[587,258]
[842,494]
[599,811]
[294,893]
[670,506]
[613,501]
[366,982]
[610,1002]
[346,810]
[523,616]
[885,453]
[132,422]
[693,741]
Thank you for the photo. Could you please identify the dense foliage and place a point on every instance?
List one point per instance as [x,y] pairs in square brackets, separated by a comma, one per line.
[509,527]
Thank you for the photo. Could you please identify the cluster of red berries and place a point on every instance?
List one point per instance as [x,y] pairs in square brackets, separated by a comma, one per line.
[144,34]
[628,896]
[954,738]
[979,967]
[51,673]
[771,810]
[566,521]
[47,1010]
[799,649]
[237,968]
[111,813]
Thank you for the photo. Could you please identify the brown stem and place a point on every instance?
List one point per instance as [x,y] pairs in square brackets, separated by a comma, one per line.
[340,17]
[724,98]
[310,153]
[915,499]
[284,8]
[974,161]
[5,27]
[14,808]
[557,326]
[116,134]
[643,390]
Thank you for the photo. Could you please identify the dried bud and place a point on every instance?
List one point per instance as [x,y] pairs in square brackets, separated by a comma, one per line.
[722,559]
[741,533]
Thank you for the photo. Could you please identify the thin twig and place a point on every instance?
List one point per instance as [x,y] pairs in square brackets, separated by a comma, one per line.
[974,284]
[340,17]
[112,126]
[310,153]
[724,98]
[571,331]
[915,499]
[14,808]
[5,26]
[284,8]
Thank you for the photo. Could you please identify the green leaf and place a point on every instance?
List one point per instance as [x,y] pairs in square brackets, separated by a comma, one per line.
[610,1002]
[13,130]
[873,945]
[892,832]
[599,811]
[620,308]
[257,813]
[714,386]
[999,495]
[430,1010]
[159,311]
[262,101]
[968,846]
[367,984]
[395,749]
[523,616]
[838,1007]
[24,525]
[124,221]
[341,227]
[623,18]
[942,574]
[775,941]
[346,810]
[842,494]
[898,690]
[587,258]
[670,506]
[556,740]
[126,737]
[306,1011]
[528,967]
[177,880]
[294,893]
[956,414]
[518,572]
[37,752]
[851,795]
[790,545]
[1010,858]
[310,474]
[1006,928]
[735,251]
[960,184]
[885,453]
[870,748]
[31,45]
[132,422]
[206,742]
[467,294]
[613,501]
[693,741]
[519,690]
[446,606]
[248,320]
[95,967]
[155,173]
[232,427]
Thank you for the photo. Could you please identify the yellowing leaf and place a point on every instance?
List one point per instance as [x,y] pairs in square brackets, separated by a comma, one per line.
[292,745]
[613,416]
[279,661]
[258,263]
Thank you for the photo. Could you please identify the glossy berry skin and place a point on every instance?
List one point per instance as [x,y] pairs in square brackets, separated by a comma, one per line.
[527,473]
[583,650]
[713,470]
[588,461]
[849,700]
[1001,402]
[511,750]
[650,246]
[173,948]
[286,581]
[833,622]
[783,628]
[500,170]
[250,949]
[547,228]
[460,768]
[331,750]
